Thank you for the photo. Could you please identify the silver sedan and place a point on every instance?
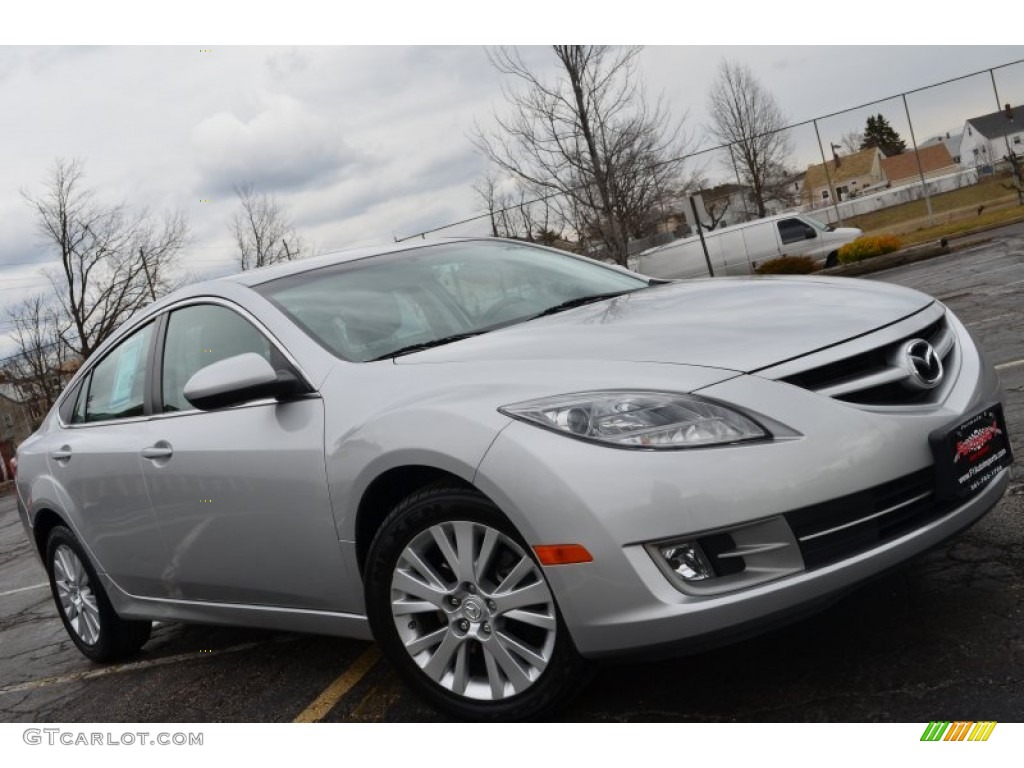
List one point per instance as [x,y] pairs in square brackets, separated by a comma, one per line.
[503,462]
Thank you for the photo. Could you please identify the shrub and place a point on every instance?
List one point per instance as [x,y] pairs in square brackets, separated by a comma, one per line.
[867,247]
[787,265]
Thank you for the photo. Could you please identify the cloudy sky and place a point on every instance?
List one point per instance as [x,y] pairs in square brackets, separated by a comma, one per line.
[362,144]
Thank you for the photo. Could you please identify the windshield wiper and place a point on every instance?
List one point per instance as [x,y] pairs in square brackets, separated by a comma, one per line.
[580,301]
[426,345]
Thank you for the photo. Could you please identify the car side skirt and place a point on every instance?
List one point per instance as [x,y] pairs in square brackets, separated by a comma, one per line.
[237,615]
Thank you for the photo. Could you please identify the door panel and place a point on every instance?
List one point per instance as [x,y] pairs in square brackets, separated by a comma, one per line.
[96,462]
[242,503]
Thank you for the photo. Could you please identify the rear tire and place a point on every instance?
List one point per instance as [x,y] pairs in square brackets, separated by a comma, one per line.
[83,605]
[462,609]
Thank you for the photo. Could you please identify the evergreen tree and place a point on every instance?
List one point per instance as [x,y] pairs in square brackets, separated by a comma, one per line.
[879,133]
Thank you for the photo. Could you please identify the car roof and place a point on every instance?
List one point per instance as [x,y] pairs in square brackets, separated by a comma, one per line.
[262,275]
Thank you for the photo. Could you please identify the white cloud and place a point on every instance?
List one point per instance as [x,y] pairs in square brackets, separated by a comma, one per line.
[285,144]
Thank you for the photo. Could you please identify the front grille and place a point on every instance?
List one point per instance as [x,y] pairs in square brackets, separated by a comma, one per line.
[843,527]
[875,377]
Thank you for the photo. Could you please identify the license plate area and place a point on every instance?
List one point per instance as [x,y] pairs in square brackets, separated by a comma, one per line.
[969,455]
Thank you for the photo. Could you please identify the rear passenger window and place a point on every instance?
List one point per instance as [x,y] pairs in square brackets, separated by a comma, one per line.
[116,388]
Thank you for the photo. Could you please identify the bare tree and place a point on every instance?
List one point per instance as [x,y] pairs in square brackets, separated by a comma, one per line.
[851,141]
[113,260]
[263,230]
[517,211]
[746,118]
[41,367]
[590,135]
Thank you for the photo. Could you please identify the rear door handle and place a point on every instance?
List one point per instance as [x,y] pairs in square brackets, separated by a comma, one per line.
[161,450]
[61,454]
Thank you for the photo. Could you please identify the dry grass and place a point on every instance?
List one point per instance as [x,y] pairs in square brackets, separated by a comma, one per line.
[1004,215]
[948,207]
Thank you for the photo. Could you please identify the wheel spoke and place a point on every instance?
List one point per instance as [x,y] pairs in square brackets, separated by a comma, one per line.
[494,676]
[405,607]
[461,678]
[532,594]
[429,640]
[424,568]
[515,674]
[90,624]
[516,575]
[542,620]
[524,652]
[406,582]
[464,545]
[487,547]
[442,657]
[447,551]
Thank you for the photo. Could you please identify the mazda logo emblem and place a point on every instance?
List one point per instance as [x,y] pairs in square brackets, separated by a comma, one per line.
[922,364]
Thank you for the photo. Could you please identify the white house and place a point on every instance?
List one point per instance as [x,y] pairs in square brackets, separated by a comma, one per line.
[989,139]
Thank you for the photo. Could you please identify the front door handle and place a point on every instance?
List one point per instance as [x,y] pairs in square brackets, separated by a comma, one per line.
[61,454]
[161,450]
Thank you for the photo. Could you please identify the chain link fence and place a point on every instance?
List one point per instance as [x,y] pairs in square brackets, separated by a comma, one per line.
[963,137]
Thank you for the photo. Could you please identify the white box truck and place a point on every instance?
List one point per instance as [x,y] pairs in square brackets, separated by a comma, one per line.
[737,250]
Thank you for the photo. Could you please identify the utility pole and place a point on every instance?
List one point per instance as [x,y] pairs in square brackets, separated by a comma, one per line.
[145,268]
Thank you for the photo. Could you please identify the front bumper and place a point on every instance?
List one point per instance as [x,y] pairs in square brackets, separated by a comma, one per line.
[614,501]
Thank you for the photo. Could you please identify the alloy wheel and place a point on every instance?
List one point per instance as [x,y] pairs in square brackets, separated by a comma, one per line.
[77,599]
[473,610]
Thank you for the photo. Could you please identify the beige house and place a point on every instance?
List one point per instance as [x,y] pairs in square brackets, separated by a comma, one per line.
[902,169]
[850,175]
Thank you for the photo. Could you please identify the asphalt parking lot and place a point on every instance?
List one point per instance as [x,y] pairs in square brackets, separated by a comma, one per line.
[940,639]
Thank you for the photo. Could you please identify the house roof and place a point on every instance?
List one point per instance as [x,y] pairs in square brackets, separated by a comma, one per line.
[904,166]
[994,125]
[850,167]
[723,190]
[10,392]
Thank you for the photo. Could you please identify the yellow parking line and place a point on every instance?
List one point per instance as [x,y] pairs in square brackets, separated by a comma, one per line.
[325,702]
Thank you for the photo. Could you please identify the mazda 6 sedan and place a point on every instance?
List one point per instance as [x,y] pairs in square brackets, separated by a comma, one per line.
[502,462]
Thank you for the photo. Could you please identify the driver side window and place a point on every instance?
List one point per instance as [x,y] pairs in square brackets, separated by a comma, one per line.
[200,335]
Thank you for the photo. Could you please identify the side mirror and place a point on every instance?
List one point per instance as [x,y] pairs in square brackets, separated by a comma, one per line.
[810,234]
[239,379]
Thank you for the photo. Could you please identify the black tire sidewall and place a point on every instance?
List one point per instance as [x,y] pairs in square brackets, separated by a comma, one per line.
[565,673]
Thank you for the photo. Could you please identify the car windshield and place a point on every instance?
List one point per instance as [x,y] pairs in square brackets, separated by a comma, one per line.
[409,300]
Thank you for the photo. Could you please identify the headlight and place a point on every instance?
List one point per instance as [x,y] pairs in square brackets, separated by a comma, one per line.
[639,419]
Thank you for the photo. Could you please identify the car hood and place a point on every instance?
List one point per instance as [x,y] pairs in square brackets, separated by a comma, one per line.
[740,324]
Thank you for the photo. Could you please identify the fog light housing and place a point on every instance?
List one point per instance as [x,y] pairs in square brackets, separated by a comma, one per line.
[687,561]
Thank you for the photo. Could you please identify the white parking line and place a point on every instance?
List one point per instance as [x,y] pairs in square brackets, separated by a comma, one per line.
[23,589]
[89,674]
[1011,364]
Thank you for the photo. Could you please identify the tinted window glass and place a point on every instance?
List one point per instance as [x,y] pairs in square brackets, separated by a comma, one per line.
[794,230]
[203,334]
[117,384]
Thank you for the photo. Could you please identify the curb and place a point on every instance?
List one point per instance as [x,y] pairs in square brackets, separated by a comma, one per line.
[895,259]
[914,253]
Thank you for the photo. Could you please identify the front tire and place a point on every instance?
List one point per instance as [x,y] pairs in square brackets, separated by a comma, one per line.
[83,605]
[460,606]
